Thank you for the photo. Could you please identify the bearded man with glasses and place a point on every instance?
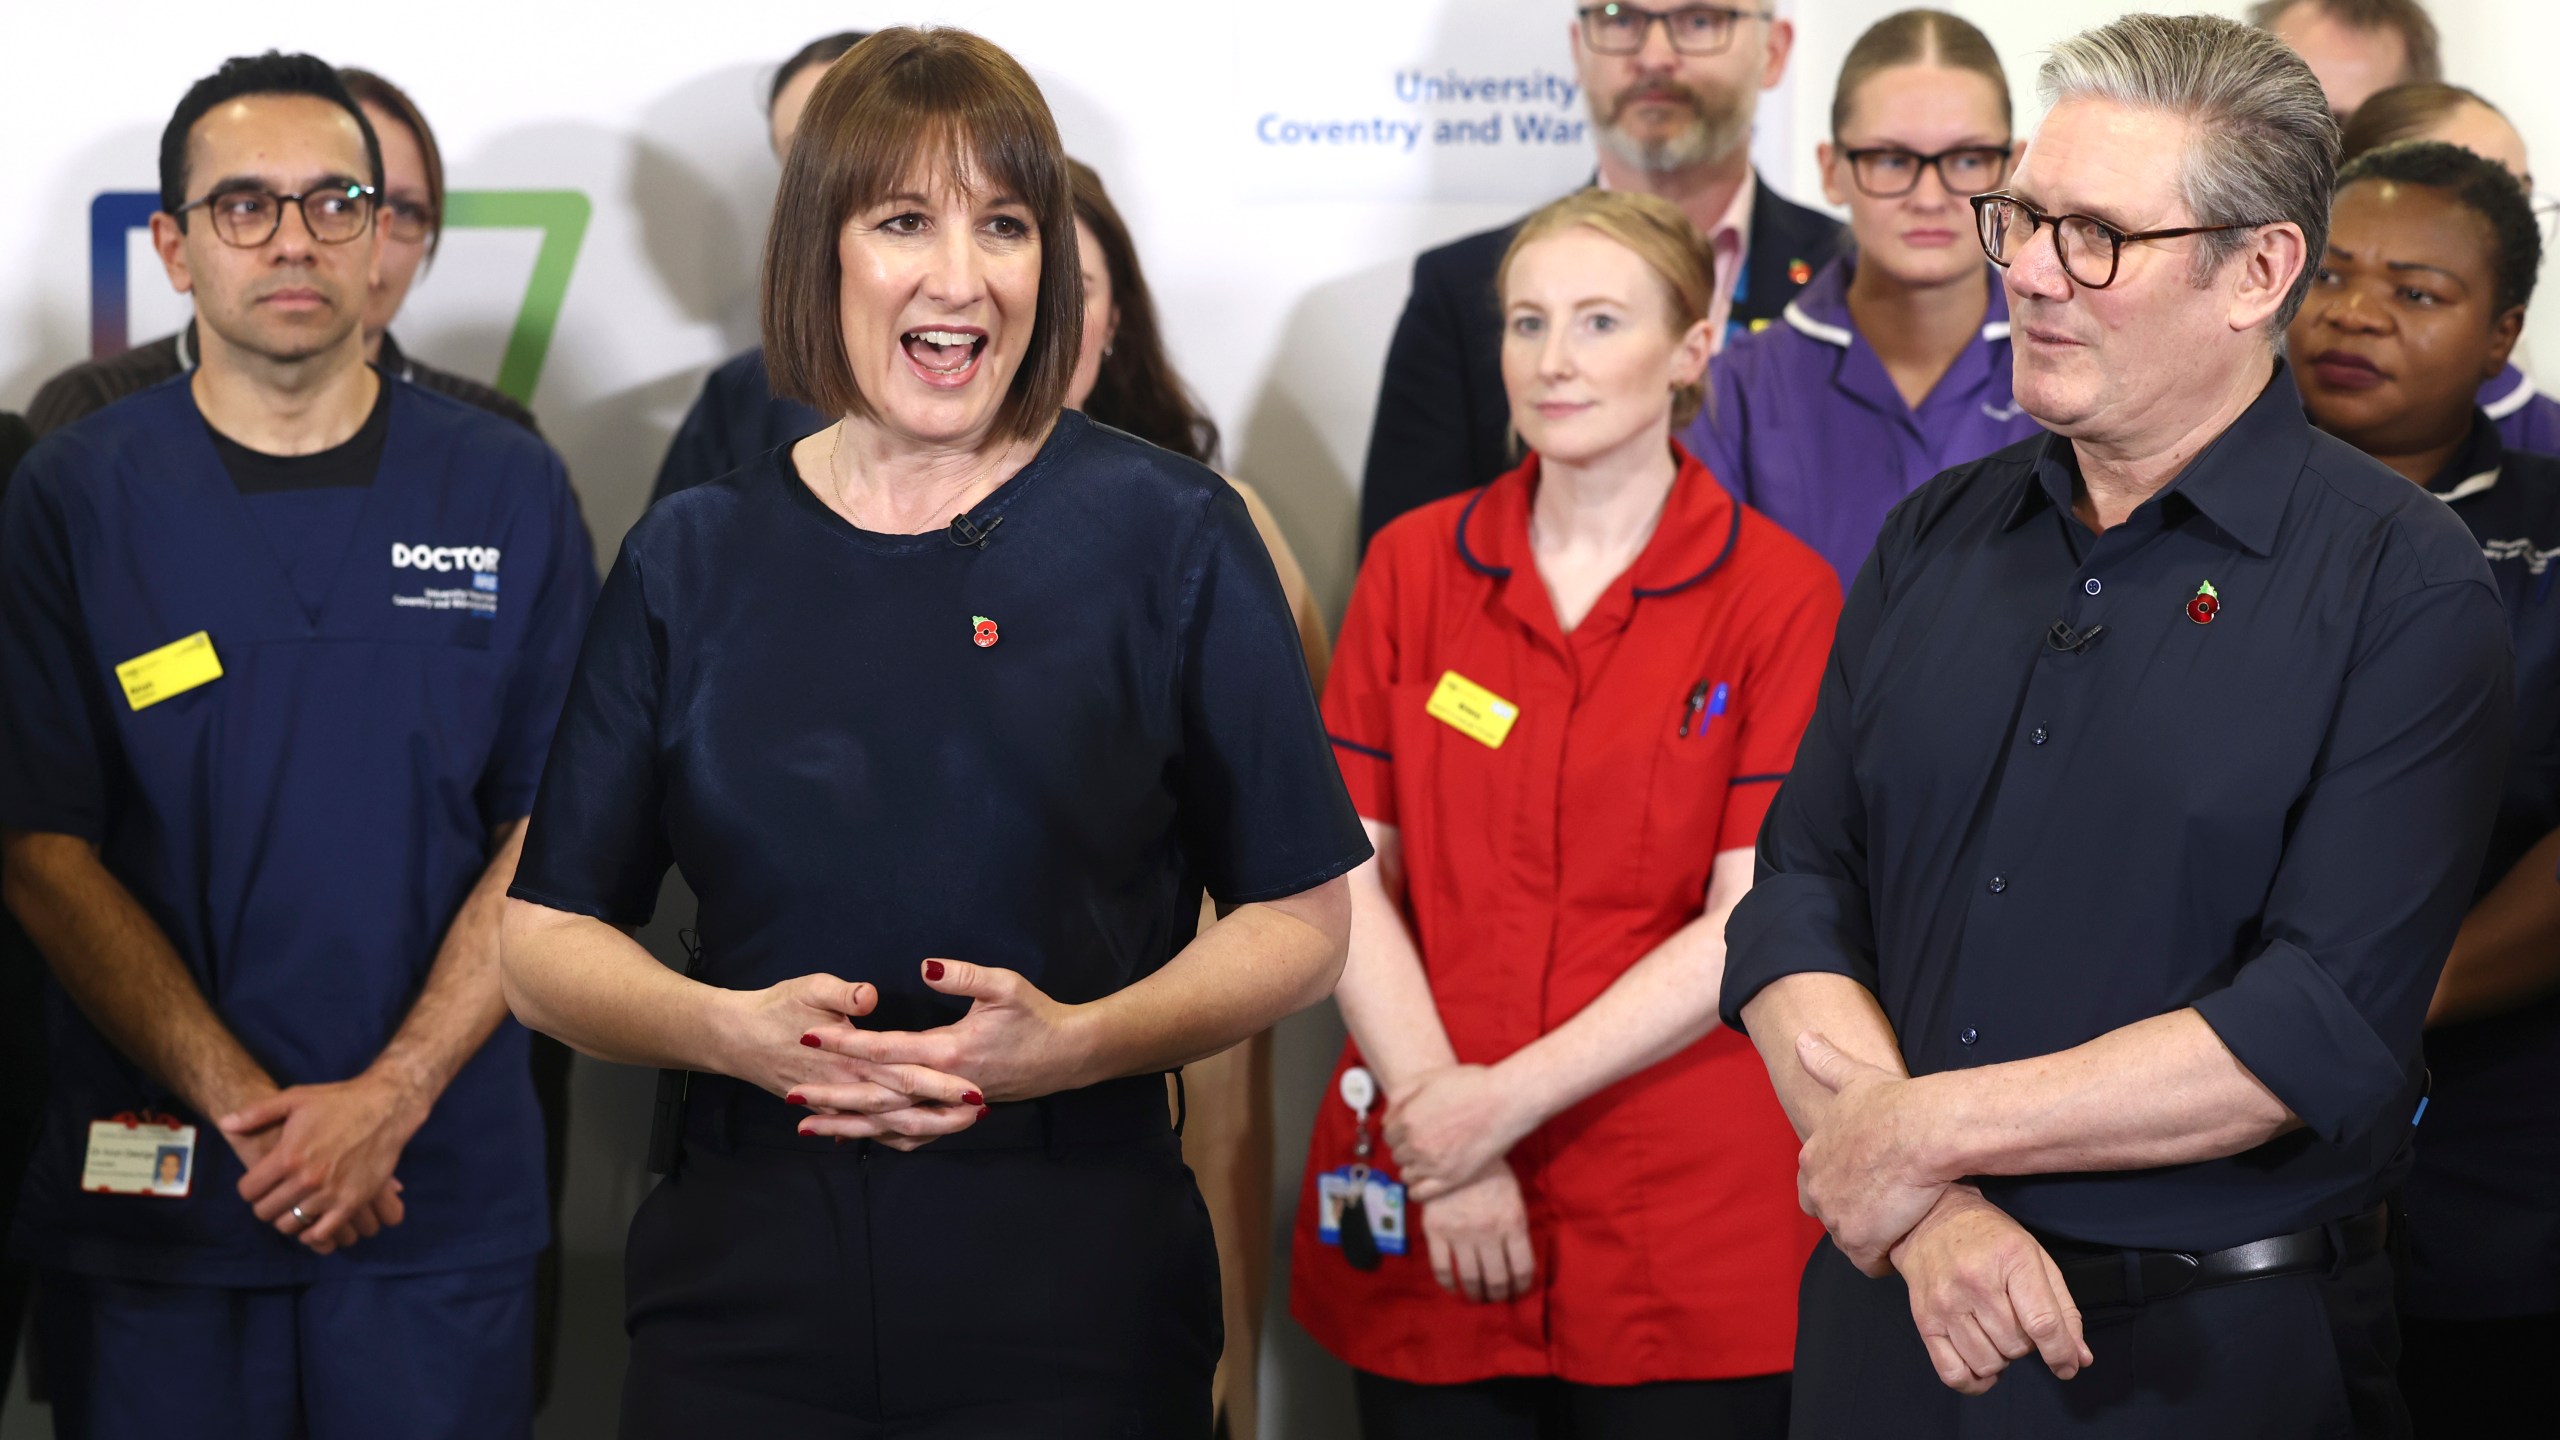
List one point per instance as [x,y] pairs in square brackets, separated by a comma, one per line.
[2097,920]
[269,731]
[1671,90]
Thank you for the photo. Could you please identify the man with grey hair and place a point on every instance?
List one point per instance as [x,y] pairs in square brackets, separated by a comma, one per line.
[2097,919]
[1671,92]
[2355,47]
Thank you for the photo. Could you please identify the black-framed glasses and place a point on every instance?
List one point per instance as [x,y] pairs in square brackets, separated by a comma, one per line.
[405,220]
[2088,247]
[1889,172]
[249,217]
[1615,29]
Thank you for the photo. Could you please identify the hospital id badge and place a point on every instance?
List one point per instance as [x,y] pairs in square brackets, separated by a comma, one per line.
[173,669]
[1380,1202]
[1471,710]
[142,1154]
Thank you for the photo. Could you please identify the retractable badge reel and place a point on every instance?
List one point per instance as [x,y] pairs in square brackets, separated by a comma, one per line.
[1358,1209]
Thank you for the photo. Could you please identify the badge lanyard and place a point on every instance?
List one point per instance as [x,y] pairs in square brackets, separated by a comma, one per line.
[1358,1209]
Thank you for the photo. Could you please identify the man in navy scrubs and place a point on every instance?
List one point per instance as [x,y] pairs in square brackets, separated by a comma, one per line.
[284,642]
[2148,785]
[737,417]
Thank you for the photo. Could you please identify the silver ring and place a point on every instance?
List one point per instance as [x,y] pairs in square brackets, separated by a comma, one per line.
[296,1213]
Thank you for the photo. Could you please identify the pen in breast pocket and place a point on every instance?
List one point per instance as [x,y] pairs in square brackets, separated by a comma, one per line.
[1704,707]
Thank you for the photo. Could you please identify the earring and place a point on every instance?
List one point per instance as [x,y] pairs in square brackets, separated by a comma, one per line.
[1106,352]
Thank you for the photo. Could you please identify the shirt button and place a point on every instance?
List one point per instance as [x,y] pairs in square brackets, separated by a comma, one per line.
[2091,587]
[2039,736]
[1968,1035]
[1999,883]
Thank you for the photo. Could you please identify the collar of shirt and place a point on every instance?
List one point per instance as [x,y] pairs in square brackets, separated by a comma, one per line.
[1692,540]
[1820,312]
[2240,481]
[2473,468]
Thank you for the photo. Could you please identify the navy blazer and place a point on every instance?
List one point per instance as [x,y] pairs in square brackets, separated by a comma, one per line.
[1443,422]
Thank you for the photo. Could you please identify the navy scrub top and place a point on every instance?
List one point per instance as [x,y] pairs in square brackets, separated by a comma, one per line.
[800,715]
[2482,1204]
[304,827]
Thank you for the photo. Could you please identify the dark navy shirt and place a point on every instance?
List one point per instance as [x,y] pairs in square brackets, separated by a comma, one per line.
[304,826]
[2266,800]
[2483,1203]
[799,714]
[736,418]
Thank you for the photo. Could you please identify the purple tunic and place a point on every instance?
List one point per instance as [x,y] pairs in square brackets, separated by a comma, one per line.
[2528,420]
[1804,425]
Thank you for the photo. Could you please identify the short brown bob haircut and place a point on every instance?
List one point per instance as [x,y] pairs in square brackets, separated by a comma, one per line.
[1661,235]
[949,105]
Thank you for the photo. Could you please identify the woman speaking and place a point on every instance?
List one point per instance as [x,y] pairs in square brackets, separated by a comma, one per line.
[948,712]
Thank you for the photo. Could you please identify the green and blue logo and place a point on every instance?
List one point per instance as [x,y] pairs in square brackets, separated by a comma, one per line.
[561,216]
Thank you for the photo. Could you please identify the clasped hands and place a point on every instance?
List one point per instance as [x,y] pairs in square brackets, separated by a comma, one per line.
[319,1157]
[1451,1129]
[906,1088]
[1983,1292]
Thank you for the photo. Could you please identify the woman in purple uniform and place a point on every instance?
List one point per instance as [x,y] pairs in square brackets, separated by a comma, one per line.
[1893,364]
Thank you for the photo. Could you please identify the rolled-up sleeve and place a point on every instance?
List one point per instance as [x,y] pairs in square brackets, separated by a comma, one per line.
[1807,912]
[2384,852]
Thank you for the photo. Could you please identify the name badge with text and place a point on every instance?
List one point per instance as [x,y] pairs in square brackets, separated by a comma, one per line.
[140,1155]
[173,669]
[1472,710]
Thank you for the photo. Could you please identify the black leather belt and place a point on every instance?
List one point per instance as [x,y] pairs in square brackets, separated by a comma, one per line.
[2101,1278]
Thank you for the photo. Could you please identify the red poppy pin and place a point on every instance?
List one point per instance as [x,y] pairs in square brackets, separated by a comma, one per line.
[1798,272]
[2206,604]
[982,632]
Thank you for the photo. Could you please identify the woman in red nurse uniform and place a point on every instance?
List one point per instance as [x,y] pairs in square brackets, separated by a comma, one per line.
[1547,1195]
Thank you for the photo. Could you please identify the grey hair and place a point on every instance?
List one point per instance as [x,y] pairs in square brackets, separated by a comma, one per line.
[2265,147]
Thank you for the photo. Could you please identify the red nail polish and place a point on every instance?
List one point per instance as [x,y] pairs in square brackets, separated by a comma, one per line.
[808,1134]
[933,969]
[972,1097]
[793,1099]
[982,1114]
[809,1040]
[839,1139]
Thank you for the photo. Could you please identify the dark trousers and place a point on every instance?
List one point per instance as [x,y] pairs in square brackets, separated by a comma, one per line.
[353,1357]
[2467,1379]
[2294,1357]
[1539,1408]
[1053,1289]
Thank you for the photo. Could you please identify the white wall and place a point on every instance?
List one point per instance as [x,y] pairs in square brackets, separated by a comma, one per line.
[1279,270]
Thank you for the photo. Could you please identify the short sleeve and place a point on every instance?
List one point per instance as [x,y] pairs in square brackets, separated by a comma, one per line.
[1262,805]
[562,598]
[2384,851]
[1784,676]
[1361,686]
[57,732]
[597,841]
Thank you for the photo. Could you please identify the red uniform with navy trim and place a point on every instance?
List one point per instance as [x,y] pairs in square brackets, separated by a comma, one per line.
[1662,1209]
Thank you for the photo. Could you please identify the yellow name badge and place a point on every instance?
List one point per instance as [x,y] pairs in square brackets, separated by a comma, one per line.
[173,669]
[1471,710]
